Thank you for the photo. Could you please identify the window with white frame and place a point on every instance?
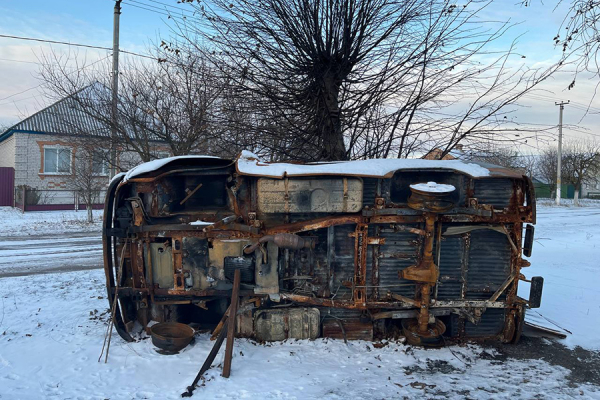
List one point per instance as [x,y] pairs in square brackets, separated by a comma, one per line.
[100,162]
[57,160]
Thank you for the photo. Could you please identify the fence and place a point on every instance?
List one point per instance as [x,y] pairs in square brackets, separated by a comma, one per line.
[28,199]
[7,184]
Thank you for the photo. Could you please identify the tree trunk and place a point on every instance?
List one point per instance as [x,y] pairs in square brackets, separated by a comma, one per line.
[330,123]
[90,217]
[576,197]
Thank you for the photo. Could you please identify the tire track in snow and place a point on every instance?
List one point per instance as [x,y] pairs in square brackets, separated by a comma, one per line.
[42,254]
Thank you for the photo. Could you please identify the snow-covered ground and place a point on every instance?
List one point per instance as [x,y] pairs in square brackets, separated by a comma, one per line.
[566,253]
[52,328]
[15,223]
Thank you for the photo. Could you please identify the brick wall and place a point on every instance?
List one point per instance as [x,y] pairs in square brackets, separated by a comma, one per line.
[28,160]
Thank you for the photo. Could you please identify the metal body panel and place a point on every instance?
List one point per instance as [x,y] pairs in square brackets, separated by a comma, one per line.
[310,195]
[161,257]
[291,323]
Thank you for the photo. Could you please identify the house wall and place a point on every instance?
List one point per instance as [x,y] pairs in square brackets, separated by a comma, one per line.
[28,160]
[591,189]
[7,152]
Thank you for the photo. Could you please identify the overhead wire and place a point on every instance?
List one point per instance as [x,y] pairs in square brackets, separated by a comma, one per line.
[171,6]
[156,11]
[89,46]
[37,86]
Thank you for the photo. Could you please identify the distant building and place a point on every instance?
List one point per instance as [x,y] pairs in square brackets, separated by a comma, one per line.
[436,154]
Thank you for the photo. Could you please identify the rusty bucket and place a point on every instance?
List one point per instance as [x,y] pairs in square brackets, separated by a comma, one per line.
[171,337]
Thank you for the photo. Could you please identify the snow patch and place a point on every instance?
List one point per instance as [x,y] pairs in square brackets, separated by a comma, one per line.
[200,223]
[432,187]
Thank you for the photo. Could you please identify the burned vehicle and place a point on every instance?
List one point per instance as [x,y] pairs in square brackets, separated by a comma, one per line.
[429,250]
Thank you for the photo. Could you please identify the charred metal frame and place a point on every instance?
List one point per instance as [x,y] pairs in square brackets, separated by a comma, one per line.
[242,220]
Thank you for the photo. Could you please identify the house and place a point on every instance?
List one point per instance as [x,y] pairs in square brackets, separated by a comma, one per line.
[37,156]
[436,153]
[591,190]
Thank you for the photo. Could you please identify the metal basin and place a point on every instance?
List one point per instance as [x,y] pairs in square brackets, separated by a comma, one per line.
[171,336]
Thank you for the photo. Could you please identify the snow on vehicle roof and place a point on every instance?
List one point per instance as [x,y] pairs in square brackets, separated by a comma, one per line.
[249,163]
[156,164]
[118,176]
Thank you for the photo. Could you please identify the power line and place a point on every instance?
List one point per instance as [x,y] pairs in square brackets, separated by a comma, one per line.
[166,14]
[16,94]
[580,106]
[20,61]
[73,44]
[37,86]
[171,6]
[23,99]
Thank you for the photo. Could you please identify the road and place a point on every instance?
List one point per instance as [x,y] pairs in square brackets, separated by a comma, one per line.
[27,255]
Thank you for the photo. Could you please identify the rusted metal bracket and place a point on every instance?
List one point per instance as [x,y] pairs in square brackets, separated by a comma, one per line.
[503,287]
[404,299]
[190,194]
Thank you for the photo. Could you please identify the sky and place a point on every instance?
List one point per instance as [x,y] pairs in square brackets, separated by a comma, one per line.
[145,21]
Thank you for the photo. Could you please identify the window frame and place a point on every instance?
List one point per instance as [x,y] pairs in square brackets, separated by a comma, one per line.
[58,148]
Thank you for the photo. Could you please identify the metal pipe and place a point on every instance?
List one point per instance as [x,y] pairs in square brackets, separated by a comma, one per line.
[283,241]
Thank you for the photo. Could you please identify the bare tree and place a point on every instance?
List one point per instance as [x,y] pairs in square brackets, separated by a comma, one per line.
[546,168]
[89,173]
[490,152]
[503,155]
[581,164]
[166,103]
[529,164]
[333,80]
[579,37]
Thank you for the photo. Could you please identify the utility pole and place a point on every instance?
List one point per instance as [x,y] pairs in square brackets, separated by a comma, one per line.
[559,161]
[115,90]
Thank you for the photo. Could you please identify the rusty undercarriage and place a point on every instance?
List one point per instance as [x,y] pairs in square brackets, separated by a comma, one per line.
[430,250]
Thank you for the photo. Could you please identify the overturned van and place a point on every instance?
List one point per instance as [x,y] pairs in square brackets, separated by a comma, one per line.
[429,250]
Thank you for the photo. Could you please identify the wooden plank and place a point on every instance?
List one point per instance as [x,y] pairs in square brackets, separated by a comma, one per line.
[220,325]
[211,357]
[231,324]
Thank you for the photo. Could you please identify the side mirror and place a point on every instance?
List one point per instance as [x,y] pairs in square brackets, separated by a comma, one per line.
[535,292]
[528,245]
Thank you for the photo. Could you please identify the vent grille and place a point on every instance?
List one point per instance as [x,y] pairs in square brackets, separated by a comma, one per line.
[490,324]
[496,191]
[399,251]
[369,191]
[451,259]
[489,263]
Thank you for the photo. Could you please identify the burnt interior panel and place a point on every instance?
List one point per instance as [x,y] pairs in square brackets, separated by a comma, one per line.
[399,251]
[209,192]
